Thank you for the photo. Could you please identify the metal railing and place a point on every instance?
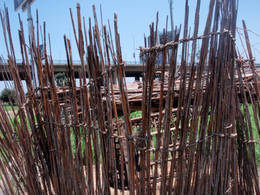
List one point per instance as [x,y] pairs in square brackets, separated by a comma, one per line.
[61,61]
[77,62]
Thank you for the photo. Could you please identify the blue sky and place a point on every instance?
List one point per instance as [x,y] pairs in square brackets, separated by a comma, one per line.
[134,19]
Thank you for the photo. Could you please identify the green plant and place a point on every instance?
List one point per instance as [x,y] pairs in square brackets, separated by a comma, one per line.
[61,79]
[8,95]
[255,134]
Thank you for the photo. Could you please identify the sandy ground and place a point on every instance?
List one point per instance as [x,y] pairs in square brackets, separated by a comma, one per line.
[127,192]
[11,113]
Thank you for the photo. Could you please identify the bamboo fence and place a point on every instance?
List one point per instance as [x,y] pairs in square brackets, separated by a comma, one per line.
[73,140]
